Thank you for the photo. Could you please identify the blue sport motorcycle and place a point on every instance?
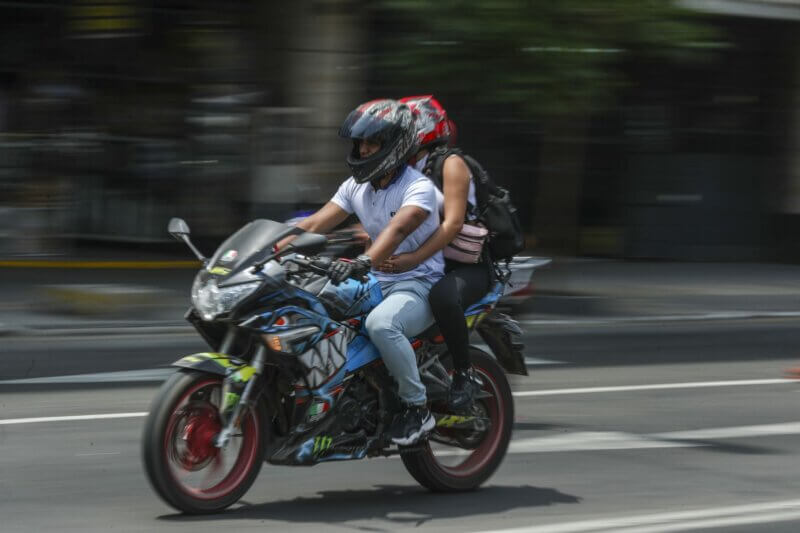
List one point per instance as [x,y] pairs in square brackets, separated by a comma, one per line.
[293,379]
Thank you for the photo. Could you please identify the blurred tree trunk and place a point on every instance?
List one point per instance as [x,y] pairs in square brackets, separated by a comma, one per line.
[557,206]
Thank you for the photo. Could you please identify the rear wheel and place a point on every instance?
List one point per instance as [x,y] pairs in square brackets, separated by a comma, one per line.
[462,459]
[182,463]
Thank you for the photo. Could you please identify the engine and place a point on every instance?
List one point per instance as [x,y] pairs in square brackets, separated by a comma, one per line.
[358,409]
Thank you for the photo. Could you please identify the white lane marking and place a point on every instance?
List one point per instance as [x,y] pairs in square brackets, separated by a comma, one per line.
[611,440]
[593,441]
[721,315]
[762,430]
[585,441]
[71,418]
[673,521]
[533,361]
[151,374]
[553,392]
[96,453]
[656,386]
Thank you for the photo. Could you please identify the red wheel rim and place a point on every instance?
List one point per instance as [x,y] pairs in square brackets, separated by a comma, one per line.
[483,454]
[189,451]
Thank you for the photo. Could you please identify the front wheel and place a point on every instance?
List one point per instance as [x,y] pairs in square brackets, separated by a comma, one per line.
[182,463]
[450,469]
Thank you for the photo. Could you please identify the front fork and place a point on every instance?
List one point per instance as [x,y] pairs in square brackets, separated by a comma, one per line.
[240,401]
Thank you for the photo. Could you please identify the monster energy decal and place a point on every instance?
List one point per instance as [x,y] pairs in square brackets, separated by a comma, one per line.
[321,444]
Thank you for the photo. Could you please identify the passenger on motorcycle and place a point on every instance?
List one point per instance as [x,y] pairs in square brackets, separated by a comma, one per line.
[396,204]
[464,284]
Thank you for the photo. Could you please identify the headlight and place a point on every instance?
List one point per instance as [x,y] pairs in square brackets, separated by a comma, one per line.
[212,301]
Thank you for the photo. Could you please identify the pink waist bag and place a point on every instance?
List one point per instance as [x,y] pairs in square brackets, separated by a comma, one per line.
[467,245]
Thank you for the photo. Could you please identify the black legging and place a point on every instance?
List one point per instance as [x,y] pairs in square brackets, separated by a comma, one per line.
[462,286]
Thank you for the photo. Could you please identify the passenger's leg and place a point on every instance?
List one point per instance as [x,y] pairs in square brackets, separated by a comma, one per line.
[459,289]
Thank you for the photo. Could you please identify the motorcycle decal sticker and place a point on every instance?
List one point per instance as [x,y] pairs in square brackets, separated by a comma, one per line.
[230,401]
[229,256]
[239,371]
[321,443]
[453,420]
[326,357]
[221,271]
[244,374]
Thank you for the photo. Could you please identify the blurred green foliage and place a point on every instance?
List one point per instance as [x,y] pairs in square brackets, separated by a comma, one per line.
[541,56]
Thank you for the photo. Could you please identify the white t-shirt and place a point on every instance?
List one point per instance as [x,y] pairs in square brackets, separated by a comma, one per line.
[420,165]
[375,208]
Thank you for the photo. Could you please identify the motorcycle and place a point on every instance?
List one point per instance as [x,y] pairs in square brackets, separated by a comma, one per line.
[293,379]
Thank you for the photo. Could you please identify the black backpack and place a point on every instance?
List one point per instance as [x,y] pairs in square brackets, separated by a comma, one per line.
[494,209]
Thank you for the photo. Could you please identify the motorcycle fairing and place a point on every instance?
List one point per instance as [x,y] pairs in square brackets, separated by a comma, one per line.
[217,363]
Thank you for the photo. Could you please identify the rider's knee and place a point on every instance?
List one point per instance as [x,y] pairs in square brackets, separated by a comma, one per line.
[379,325]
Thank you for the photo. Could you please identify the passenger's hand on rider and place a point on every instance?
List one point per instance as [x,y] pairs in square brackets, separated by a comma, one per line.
[341,269]
[399,263]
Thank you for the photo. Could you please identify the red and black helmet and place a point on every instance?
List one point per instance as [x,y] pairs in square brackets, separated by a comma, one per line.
[433,126]
[392,125]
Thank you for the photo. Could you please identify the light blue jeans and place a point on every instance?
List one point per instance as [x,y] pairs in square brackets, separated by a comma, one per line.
[404,312]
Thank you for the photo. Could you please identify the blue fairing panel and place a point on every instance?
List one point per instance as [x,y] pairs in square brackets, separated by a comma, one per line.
[490,299]
[352,298]
[360,352]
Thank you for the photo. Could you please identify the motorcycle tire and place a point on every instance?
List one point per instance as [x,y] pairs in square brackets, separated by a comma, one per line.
[177,442]
[481,463]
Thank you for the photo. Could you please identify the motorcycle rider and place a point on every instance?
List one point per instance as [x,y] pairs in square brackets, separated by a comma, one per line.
[396,204]
[463,284]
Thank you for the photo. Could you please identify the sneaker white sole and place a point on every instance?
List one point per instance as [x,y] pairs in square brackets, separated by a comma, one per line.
[427,426]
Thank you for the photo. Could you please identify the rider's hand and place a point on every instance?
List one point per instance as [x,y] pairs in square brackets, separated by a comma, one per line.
[341,269]
[399,263]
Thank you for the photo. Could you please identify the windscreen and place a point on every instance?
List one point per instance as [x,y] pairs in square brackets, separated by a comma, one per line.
[251,243]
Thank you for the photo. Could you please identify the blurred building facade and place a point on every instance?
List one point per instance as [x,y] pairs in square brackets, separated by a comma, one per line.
[116,115]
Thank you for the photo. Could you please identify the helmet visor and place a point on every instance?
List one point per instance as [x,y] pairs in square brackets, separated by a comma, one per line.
[369,125]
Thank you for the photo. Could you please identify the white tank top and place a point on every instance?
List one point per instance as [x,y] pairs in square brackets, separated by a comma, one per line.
[471,202]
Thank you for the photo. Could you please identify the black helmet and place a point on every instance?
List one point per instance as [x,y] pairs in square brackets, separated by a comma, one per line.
[388,122]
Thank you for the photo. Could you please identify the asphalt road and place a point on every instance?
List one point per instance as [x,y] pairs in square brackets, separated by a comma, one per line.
[630,428]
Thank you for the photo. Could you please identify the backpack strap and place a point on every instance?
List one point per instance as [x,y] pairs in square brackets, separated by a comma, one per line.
[434,166]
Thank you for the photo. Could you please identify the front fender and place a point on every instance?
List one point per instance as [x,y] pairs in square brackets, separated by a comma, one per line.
[218,363]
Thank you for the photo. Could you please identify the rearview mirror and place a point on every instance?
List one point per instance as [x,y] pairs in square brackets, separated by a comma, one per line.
[178,228]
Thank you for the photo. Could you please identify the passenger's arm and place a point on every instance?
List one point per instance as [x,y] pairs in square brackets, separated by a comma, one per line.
[455,177]
[407,219]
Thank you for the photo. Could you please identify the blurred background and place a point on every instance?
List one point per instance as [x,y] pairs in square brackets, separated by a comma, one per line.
[624,128]
[651,146]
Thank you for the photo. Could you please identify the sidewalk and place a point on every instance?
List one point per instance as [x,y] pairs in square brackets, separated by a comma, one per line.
[151,294]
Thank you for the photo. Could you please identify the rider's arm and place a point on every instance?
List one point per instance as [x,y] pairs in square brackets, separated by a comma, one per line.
[324,220]
[455,178]
[403,223]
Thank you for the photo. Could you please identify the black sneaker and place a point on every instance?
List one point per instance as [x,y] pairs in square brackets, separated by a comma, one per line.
[409,426]
[463,390]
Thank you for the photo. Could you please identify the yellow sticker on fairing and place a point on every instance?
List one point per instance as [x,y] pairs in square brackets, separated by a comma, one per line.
[221,271]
